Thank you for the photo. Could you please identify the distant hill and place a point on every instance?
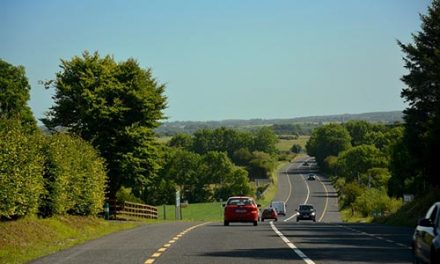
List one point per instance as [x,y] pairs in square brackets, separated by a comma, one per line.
[189,127]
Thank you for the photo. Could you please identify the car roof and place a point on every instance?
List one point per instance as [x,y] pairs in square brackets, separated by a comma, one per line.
[235,197]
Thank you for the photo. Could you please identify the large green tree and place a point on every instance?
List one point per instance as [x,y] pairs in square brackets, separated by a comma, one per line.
[115,106]
[14,94]
[422,94]
[328,140]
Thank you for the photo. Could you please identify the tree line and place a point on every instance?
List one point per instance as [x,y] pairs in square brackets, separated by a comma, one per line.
[100,143]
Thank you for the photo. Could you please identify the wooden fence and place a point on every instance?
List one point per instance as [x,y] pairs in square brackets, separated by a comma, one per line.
[129,210]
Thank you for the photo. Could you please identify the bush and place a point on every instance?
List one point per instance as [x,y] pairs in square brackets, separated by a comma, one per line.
[125,195]
[21,170]
[74,177]
[376,202]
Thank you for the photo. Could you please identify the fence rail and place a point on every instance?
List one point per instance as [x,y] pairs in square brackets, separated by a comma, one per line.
[127,210]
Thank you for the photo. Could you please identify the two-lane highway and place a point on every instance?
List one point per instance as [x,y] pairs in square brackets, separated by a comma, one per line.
[286,241]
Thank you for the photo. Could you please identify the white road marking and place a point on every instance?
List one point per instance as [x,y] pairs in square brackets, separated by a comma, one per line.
[326,200]
[307,198]
[291,245]
[290,184]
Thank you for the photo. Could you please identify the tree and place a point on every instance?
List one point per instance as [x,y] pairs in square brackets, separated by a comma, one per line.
[358,130]
[115,106]
[328,140]
[296,148]
[265,140]
[184,141]
[422,117]
[358,160]
[14,94]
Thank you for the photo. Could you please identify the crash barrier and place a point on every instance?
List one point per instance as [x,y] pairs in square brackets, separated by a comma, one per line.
[128,210]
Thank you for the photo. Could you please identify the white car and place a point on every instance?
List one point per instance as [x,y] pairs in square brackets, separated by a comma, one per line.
[279,206]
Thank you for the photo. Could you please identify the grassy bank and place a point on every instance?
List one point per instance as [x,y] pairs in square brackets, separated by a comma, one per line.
[410,213]
[27,239]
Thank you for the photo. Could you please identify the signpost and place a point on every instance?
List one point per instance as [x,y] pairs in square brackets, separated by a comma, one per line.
[178,207]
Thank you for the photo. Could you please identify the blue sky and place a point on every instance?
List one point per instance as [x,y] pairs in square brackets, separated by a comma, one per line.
[231,59]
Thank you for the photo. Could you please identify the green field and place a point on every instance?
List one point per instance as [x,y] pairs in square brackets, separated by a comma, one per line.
[286,145]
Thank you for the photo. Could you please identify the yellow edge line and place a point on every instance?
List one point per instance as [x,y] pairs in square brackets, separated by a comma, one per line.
[159,252]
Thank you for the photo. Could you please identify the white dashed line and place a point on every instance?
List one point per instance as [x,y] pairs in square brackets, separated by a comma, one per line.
[291,245]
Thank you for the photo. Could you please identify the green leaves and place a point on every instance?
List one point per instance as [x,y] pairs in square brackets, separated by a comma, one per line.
[75,177]
[423,97]
[115,106]
[21,170]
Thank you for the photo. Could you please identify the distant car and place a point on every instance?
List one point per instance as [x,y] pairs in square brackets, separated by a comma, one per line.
[311,177]
[306,212]
[426,238]
[306,163]
[279,206]
[241,209]
[269,213]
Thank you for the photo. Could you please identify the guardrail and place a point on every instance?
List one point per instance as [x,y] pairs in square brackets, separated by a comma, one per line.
[128,210]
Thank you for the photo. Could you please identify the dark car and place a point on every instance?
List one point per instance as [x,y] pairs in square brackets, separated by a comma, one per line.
[241,209]
[426,238]
[306,212]
[269,213]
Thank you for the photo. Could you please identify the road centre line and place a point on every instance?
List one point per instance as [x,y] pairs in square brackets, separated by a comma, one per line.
[307,198]
[162,249]
[290,184]
[326,200]
[291,245]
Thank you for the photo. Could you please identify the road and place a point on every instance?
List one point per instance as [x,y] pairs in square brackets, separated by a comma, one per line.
[285,241]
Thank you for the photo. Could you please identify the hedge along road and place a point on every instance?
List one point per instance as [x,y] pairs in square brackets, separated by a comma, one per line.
[327,241]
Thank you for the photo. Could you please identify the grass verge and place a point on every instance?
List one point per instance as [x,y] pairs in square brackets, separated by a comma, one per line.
[31,238]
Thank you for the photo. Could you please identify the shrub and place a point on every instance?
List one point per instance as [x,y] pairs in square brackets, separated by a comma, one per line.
[21,170]
[74,177]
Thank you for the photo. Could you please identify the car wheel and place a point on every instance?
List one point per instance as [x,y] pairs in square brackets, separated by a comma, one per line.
[276,219]
[297,219]
[314,219]
[262,219]
[255,223]
[226,223]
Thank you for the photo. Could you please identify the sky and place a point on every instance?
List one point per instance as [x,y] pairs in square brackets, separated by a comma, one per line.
[230,59]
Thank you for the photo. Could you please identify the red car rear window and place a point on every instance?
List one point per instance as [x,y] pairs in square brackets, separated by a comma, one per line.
[240,201]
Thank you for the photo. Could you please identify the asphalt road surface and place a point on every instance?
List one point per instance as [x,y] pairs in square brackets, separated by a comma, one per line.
[286,241]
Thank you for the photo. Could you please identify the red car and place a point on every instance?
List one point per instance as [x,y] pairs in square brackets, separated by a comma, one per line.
[269,213]
[241,209]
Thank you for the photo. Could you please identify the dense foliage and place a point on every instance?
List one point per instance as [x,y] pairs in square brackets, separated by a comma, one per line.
[74,177]
[328,140]
[421,143]
[14,94]
[21,170]
[115,107]
[42,174]
[357,155]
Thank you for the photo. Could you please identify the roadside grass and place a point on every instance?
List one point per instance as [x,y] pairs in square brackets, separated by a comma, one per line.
[193,212]
[273,187]
[286,144]
[347,217]
[31,238]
